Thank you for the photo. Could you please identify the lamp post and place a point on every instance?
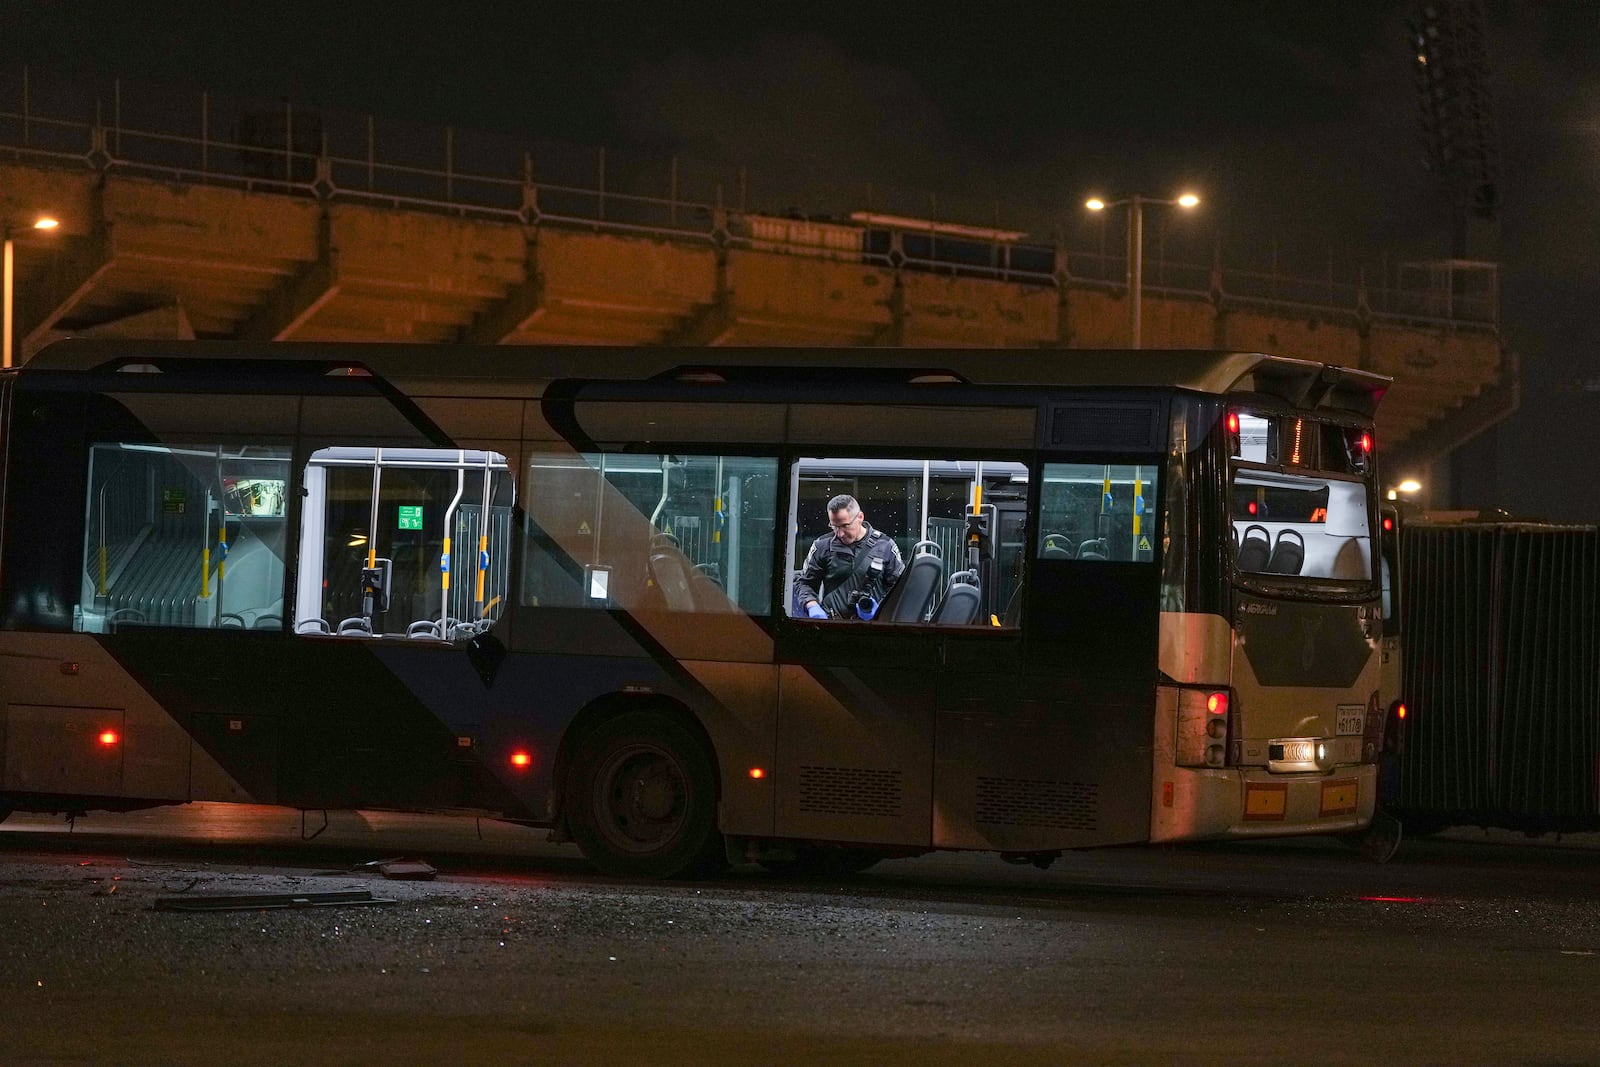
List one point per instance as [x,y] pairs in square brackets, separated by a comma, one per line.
[1136,205]
[8,284]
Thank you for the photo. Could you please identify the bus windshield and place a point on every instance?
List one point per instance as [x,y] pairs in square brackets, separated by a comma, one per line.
[1298,499]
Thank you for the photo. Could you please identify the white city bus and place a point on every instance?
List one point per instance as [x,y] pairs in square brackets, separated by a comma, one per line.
[555,586]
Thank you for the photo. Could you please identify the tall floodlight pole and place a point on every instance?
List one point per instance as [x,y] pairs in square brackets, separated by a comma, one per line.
[1135,206]
[8,285]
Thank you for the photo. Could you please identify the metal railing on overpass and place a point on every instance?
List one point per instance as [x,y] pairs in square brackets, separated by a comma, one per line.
[146,131]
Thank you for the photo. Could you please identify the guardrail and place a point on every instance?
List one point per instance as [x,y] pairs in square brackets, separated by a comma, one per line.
[333,156]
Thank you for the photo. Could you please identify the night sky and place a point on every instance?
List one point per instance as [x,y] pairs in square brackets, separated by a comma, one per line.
[1297,121]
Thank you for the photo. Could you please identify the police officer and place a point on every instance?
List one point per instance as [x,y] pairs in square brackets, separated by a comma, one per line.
[852,562]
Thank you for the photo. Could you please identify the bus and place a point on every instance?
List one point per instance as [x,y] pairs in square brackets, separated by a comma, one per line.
[1139,599]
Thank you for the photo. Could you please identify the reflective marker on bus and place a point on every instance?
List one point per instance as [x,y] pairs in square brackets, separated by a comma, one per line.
[1114,599]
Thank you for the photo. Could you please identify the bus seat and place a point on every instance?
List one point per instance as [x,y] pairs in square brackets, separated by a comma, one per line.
[1055,546]
[672,579]
[708,592]
[312,626]
[1093,549]
[1255,551]
[912,595]
[355,626]
[1287,556]
[267,622]
[961,601]
[424,628]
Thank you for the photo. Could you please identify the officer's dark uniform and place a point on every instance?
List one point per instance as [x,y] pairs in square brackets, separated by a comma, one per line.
[833,570]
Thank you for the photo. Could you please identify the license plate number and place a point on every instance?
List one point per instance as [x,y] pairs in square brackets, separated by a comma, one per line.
[1351,719]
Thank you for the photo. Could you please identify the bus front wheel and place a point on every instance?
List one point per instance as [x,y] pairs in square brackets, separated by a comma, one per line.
[641,799]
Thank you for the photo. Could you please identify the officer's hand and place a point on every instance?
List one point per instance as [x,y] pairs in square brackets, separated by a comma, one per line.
[814,610]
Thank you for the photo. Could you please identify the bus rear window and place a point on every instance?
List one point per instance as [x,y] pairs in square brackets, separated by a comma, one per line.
[1310,526]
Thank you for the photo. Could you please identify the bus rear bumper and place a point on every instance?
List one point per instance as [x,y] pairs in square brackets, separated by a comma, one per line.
[1200,804]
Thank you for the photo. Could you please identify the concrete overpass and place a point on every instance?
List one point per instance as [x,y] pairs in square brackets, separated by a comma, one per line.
[165,235]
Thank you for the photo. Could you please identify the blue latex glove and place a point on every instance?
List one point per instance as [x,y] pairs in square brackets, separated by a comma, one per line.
[815,611]
[866,607]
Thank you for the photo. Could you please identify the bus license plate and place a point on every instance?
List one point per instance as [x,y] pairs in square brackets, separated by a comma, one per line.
[1352,717]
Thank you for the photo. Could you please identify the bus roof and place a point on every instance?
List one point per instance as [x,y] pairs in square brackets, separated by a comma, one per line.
[1303,383]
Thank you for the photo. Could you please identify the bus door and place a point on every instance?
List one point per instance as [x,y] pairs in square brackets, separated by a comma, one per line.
[855,739]
[1044,739]
[401,572]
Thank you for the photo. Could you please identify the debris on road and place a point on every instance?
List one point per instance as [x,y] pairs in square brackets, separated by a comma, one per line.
[264,901]
[401,869]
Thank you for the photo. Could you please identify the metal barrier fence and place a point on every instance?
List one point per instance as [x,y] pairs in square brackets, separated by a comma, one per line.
[333,156]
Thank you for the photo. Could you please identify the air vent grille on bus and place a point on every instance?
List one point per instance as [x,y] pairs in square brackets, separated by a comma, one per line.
[851,791]
[1027,802]
[1130,425]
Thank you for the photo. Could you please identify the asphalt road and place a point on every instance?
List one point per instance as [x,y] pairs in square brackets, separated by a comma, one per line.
[1465,950]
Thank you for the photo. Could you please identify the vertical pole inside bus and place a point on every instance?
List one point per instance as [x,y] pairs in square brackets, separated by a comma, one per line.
[375,575]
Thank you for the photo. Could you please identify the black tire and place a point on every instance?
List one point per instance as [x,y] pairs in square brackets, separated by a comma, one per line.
[641,799]
[823,861]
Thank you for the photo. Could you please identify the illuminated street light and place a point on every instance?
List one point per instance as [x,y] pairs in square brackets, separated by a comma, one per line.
[8,283]
[1410,485]
[1136,206]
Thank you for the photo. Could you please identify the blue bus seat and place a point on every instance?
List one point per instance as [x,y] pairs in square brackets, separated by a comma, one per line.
[962,601]
[911,597]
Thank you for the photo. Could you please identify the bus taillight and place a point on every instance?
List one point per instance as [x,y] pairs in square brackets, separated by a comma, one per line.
[1394,731]
[521,759]
[1202,728]
[109,738]
[1233,433]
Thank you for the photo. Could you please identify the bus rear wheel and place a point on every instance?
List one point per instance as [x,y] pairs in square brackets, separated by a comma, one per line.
[641,799]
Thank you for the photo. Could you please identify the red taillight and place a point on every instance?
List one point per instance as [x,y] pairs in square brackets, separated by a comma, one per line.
[109,737]
[1366,442]
[1202,727]
[1233,422]
[1400,711]
[757,772]
[1251,507]
[521,760]
[1388,524]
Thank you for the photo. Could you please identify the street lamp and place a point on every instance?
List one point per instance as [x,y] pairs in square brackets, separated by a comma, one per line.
[1136,205]
[8,283]
[1409,486]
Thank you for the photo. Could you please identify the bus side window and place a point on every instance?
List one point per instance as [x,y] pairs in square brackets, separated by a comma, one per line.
[404,542]
[184,536]
[1097,512]
[958,567]
[677,533]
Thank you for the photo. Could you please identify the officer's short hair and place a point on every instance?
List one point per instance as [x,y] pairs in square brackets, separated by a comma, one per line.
[843,502]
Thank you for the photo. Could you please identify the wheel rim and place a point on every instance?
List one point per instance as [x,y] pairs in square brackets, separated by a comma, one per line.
[641,798]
